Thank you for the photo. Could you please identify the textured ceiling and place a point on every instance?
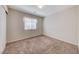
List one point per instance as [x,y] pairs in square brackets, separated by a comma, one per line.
[45,11]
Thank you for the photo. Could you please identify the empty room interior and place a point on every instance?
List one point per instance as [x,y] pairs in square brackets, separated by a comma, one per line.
[39,29]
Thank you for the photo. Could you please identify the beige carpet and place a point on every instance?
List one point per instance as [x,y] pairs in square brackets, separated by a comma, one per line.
[40,45]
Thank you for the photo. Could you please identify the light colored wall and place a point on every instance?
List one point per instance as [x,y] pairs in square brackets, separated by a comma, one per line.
[78,24]
[2,29]
[62,25]
[15,27]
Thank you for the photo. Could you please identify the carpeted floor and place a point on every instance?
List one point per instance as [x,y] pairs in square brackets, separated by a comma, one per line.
[40,45]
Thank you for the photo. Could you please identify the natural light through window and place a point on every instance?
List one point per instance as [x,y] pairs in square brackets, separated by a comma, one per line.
[30,23]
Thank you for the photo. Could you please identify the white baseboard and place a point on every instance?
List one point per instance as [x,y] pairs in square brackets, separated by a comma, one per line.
[60,39]
[22,38]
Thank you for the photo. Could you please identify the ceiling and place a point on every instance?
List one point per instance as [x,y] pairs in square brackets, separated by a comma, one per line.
[45,11]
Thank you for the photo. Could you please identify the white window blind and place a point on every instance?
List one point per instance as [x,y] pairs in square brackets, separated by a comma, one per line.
[30,23]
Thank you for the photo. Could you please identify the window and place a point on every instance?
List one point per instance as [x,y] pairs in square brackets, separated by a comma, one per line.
[30,23]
